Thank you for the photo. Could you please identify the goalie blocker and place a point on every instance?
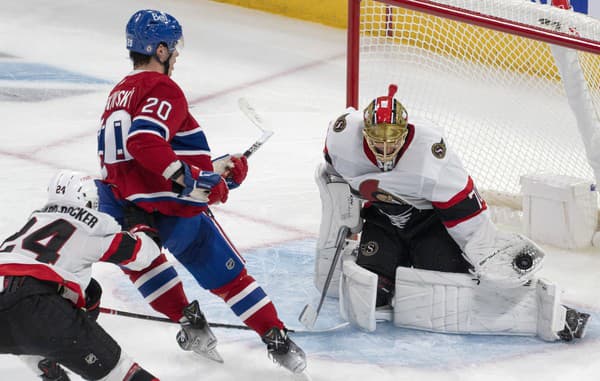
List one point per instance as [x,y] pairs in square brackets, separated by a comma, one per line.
[339,208]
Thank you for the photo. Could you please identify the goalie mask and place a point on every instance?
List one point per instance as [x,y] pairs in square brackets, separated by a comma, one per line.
[73,188]
[385,128]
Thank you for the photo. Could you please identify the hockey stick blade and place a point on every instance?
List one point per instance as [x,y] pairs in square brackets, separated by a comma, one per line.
[251,114]
[309,315]
[255,118]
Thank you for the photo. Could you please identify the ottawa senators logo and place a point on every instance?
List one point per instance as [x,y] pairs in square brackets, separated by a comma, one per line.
[439,149]
[370,248]
[340,123]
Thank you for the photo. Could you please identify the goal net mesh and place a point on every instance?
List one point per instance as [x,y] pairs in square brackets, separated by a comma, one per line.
[497,97]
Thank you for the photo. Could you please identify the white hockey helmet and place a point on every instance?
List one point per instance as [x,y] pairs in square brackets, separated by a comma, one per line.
[74,188]
[385,128]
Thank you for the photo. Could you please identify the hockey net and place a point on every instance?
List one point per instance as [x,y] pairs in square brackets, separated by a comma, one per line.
[466,65]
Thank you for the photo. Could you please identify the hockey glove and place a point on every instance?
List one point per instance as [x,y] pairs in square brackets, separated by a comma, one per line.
[51,371]
[138,220]
[238,172]
[233,168]
[93,293]
[198,184]
[218,193]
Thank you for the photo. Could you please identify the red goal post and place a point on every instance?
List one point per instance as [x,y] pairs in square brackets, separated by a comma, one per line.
[483,71]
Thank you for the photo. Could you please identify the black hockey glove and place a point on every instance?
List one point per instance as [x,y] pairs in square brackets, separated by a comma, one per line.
[51,371]
[93,293]
[137,219]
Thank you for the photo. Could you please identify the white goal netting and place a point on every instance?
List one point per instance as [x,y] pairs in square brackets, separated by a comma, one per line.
[498,97]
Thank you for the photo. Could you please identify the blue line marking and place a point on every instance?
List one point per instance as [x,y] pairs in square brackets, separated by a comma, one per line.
[25,71]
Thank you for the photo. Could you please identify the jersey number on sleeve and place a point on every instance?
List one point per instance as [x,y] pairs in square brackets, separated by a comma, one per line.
[112,137]
[44,242]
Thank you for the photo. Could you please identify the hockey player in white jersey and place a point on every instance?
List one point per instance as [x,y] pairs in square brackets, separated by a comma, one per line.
[429,256]
[48,299]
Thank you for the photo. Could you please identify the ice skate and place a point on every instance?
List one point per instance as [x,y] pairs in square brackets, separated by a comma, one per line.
[575,325]
[51,371]
[196,335]
[283,351]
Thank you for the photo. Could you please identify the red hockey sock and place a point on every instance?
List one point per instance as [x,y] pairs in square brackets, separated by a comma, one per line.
[161,287]
[250,303]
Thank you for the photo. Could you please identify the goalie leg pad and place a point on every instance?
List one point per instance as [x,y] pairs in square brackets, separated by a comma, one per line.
[338,208]
[455,303]
[358,295]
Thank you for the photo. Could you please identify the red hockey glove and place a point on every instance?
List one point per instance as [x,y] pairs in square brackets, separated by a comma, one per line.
[218,193]
[238,172]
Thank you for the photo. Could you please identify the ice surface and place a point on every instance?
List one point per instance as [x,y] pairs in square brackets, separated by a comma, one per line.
[70,52]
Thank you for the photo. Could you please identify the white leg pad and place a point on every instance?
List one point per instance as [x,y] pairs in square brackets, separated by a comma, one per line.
[358,294]
[338,208]
[454,303]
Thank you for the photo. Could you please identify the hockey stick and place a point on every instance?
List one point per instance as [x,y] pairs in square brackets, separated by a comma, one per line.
[110,311]
[134,315]
[255,118]
[309,315]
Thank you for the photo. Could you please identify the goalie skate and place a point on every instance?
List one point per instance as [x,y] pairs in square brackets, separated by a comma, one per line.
[575,325]
[283,351]
[196,335]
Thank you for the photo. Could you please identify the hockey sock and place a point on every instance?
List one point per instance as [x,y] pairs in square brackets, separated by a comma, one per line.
[160,285]
[250,303]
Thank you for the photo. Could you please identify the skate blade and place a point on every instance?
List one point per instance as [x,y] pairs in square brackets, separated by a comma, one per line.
[211,354]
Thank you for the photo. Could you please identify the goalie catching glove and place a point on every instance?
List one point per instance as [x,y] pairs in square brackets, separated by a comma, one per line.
[503,259]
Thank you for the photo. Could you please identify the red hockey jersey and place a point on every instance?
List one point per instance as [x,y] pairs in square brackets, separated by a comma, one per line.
[146,127]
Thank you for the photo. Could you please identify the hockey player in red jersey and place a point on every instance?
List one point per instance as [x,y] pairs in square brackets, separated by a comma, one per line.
[49,301]
[158,168]
[429,255]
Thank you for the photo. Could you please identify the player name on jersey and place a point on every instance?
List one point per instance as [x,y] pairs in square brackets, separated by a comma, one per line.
[80,214]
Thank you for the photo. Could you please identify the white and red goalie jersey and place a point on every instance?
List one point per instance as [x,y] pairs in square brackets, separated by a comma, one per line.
[146,128]
[61,242]
[427,174]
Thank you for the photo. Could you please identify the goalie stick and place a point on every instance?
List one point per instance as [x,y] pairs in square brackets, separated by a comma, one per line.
[255,118]
[111,311]
[309,314]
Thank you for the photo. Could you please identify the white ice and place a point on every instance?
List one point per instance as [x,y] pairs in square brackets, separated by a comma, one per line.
[293,72]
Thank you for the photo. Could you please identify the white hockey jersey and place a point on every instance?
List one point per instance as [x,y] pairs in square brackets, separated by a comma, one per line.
[61,242]
[427,174]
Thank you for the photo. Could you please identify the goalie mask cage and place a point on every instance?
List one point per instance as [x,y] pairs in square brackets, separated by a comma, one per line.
[482,70]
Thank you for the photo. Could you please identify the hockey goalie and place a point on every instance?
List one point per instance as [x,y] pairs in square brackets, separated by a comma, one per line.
[429,256]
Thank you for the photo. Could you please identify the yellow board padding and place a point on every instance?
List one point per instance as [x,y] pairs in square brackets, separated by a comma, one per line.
[471,43]
[329,12]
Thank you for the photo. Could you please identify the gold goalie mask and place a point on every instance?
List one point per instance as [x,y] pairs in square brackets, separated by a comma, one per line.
[385,128]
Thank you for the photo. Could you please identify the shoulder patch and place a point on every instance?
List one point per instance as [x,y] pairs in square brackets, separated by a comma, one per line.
[439,149]
[340,123]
